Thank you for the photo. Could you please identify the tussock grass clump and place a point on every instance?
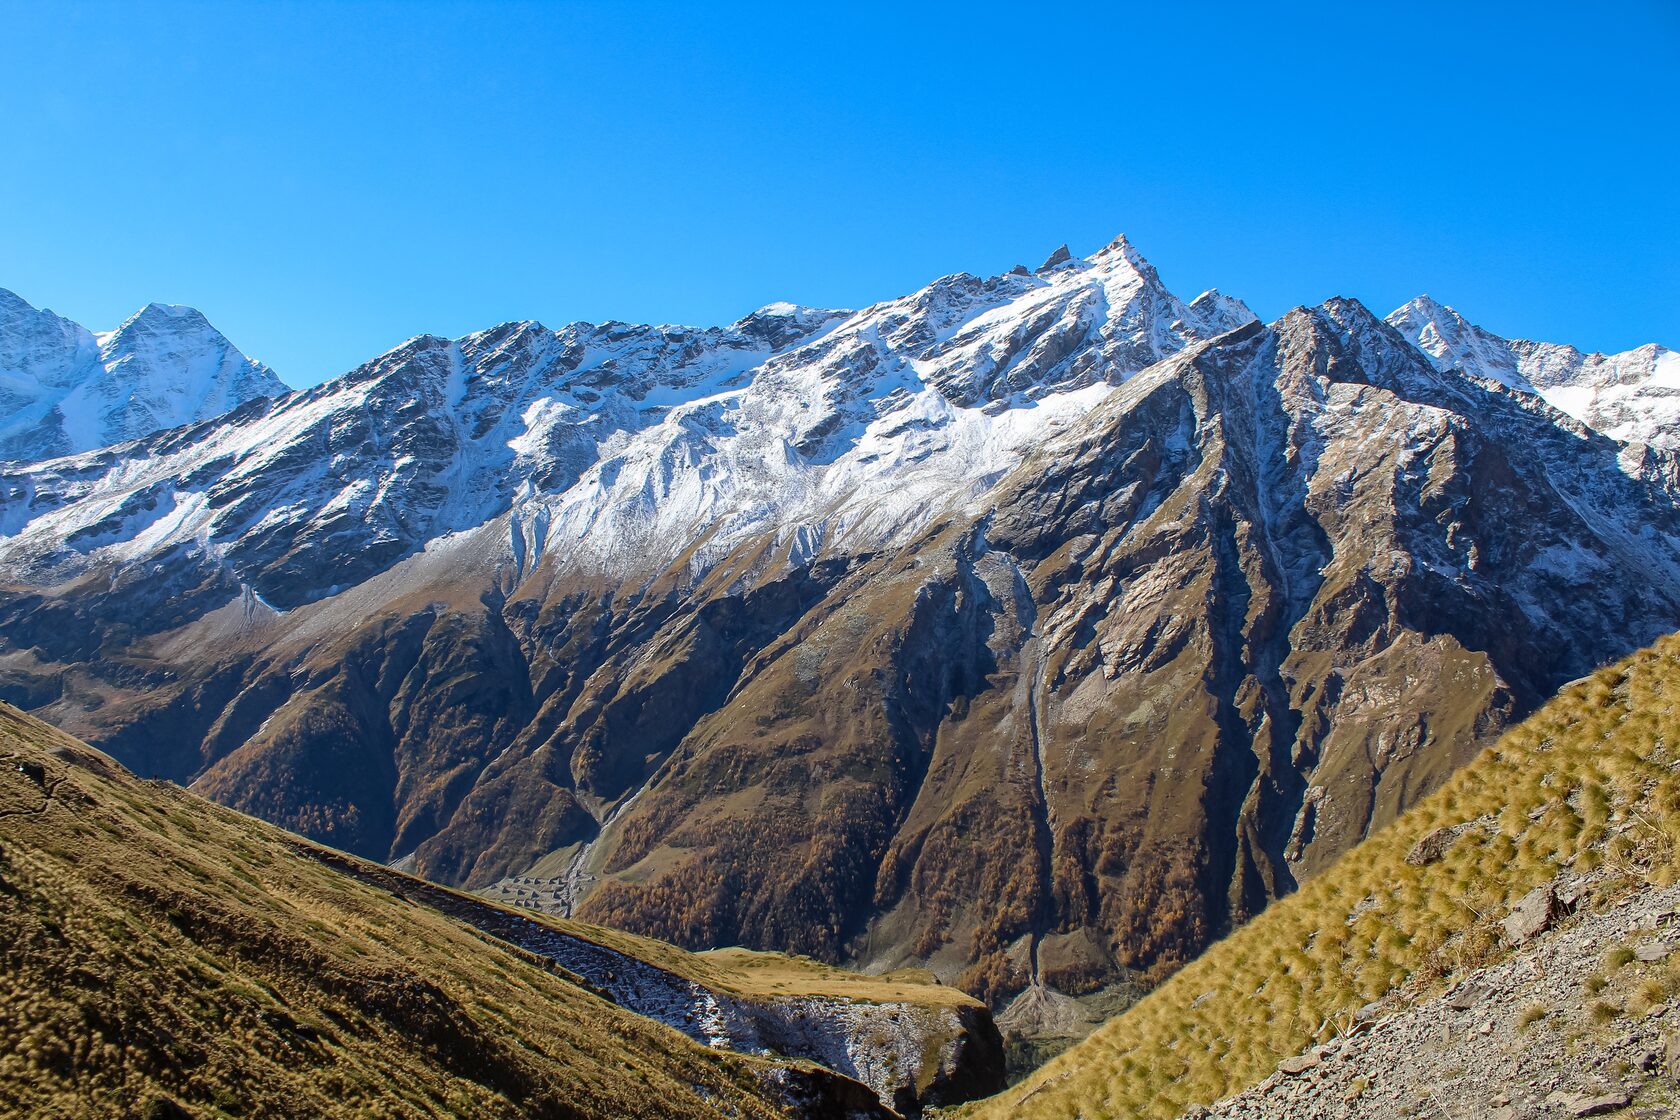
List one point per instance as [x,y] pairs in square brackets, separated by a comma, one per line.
[1647,995]
[1591,780]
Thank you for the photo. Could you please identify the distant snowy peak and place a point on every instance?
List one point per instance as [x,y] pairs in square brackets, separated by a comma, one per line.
[1453,342]
[1633,396]
[39,352]
[64,389]
[167,366]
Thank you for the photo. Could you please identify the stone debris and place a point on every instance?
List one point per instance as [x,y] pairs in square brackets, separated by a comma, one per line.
[1526,1038]
[1467,997]
[1595,1106]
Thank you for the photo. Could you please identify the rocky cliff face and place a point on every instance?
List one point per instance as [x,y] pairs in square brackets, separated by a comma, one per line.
[64,389]
[1034,628]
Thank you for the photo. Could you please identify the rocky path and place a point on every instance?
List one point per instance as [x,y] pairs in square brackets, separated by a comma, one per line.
[48,787]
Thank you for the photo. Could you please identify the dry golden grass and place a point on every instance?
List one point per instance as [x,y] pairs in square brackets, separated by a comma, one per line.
[1590,780]
[161,956]
[747,972]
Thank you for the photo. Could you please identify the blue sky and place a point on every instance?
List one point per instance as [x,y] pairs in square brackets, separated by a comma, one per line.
[324,180]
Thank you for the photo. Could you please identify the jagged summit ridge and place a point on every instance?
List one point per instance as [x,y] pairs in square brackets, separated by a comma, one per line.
[65,389]
[629,445]
[1059,256]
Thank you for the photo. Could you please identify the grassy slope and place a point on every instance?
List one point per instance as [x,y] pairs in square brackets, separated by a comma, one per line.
[748,973]
[1590,779]
[159,951]
[753,974]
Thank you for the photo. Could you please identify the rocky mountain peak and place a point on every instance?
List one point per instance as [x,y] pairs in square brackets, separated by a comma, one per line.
[1350,318]
[1214,312]
[1059,256]
[1438,329]
[1424,306]
[1121,248]
[178,351]
[782,324]
[13,304]
[781,309]
[167,317]
[36,343]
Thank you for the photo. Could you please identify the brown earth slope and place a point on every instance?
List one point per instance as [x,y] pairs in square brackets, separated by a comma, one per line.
[165,957]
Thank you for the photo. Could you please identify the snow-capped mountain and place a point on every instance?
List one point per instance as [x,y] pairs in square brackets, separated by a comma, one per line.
[628,446]
[1631,396]
[1031,627]
[65,389]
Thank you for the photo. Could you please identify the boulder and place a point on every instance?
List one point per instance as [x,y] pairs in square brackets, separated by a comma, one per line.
[1600,1104]
[1534,914]
[1432,847]
[1467,997]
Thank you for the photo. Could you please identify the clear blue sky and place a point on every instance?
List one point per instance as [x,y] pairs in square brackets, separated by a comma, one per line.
[324,180]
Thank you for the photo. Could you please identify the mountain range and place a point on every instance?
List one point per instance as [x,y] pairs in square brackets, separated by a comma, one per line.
[1035,628]
[1633,396]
